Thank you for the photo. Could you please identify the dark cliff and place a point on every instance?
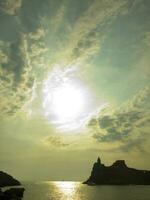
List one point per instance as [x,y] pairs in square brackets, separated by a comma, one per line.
[7,180]
[117,174]
[14,193]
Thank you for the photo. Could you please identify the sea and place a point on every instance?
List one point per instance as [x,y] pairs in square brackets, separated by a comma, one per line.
[69,190]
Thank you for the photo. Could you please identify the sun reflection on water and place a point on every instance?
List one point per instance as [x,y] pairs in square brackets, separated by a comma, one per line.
[68,189]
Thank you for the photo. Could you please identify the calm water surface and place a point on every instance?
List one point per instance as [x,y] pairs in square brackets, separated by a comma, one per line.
[67,190]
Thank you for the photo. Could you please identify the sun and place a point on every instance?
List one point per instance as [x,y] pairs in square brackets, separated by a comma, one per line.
[64,98]
[67,101]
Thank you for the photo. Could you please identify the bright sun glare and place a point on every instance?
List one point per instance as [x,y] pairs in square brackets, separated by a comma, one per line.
[67,188]
[66,100]
[64,97]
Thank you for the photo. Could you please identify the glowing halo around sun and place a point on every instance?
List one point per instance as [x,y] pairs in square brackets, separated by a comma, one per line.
[64,97]
[66,100]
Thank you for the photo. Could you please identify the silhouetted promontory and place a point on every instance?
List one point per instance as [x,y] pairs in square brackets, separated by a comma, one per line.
[7,180]
[117,174]
[11,193]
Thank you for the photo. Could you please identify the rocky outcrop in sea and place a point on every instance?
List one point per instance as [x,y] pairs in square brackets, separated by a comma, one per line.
[117,174]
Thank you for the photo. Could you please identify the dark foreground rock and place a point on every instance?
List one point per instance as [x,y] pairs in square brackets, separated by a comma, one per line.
[7,180]
[117,174]
[12,194]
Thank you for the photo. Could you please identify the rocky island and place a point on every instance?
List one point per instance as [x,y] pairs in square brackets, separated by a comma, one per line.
[11,193]
[117,174]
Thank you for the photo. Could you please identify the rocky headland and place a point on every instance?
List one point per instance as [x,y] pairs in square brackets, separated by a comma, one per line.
[117,174]
[14,193]
[7,180]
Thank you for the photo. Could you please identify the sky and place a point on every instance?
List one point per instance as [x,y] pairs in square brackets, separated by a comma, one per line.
[74,85]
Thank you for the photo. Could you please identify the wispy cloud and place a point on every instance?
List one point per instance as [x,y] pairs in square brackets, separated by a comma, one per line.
[10,6]
[57,20]
[20,60]
[143,52]
[89,31]
[55,141]
[125,124]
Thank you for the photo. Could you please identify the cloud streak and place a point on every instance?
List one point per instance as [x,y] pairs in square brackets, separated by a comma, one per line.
[20,60]
[10,6]
[55,141]
[125,124]
[89,30]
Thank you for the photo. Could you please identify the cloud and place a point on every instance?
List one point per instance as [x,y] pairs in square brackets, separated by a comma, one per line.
[127,125]
[20,62]
[10,6]
[55,141]
[143,55]
[14,79]
[58,18]
[89,30]
[38,34]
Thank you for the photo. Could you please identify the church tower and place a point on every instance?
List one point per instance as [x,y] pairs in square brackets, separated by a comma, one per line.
[99,160]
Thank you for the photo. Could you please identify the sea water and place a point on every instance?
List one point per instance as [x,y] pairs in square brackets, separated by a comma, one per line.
[68,190]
